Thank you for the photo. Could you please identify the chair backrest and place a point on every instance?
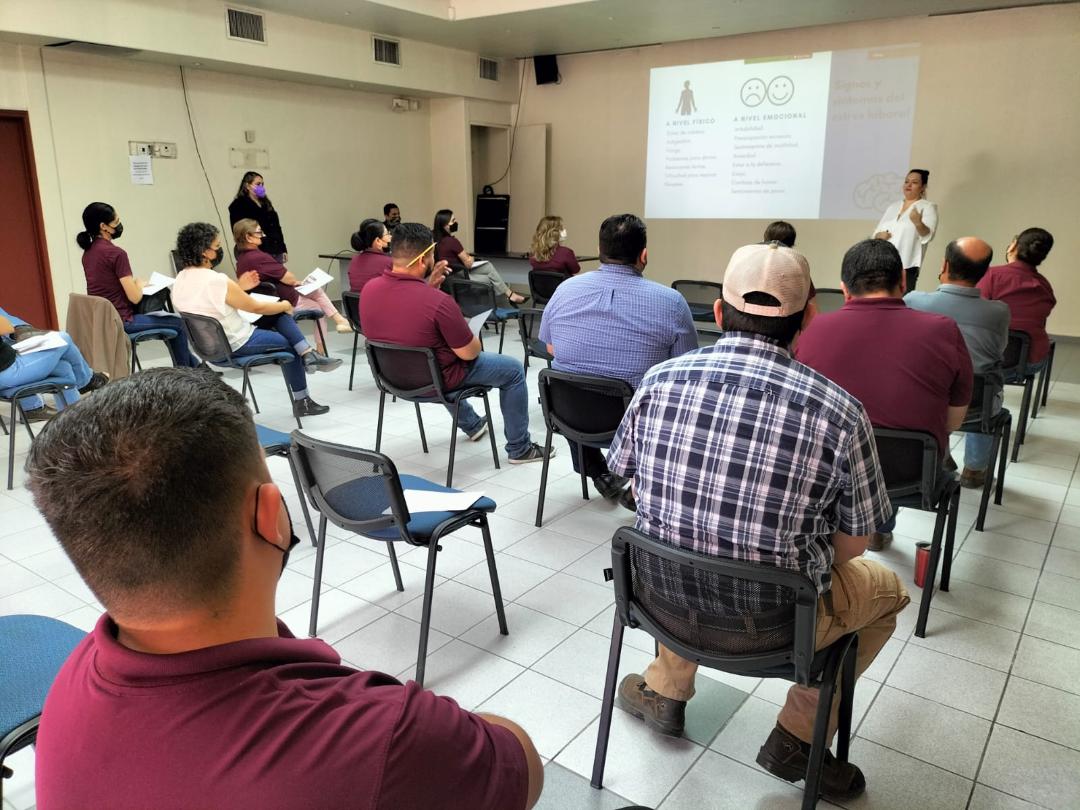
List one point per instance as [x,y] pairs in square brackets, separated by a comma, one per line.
[663,589]
[529,320]
[1015,360]
[351,301]
[408,372]
[829,299]
[32,650]
[357,490]
[700,295]
[177,263]
[207,337]
[473,297]
[910,463]
[582,407]
[542,284]
[456,270]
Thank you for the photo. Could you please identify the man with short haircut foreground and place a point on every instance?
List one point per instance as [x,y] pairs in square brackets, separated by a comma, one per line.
[739,451]
[189,692]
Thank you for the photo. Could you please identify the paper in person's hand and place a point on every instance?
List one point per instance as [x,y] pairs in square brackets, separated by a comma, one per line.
[251,317]
[476,322]
[157,283]
[40,343]
[315,279]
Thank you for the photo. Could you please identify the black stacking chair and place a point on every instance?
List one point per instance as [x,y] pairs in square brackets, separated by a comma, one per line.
[412,374]
[350,301]
[542,284]
[583,408]
[982,418]
[48,385]
[475,297]
[914,477]
[529,330]
[362,492]
[208,339]
[829,299]
[276,443]
[1014,366]
[716,635]
[701,296]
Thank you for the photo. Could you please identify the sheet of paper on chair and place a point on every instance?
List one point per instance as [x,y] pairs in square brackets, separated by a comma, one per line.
[422,500]
[315,279]
[251,317]
[476,322]
[40,343]
[158,282]
[479,262]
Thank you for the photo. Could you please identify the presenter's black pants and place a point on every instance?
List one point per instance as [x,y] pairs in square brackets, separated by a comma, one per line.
[911,278]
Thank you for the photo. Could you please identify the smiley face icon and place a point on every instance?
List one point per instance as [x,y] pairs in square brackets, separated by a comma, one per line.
[752,92]
[780,90]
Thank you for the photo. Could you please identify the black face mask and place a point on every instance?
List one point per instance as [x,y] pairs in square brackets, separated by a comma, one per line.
[294,541]
[453,227]
[214,262]
[118,231]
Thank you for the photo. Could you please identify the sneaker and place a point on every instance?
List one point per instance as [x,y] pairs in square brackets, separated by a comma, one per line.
[313,361]
[308,407]
[660,713]
[534,453]
[479,433]
[97,380]
[42,414]
[786,756]
[609,485]
[878,541]
[972,479]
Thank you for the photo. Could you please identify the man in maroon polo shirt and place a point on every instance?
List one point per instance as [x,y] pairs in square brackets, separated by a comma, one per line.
[911,370]
[189,693]
[1027,291]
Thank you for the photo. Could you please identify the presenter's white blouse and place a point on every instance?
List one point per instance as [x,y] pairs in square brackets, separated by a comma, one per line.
[904,236]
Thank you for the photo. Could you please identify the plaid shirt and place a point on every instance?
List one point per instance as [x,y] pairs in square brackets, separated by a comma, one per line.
[738,450]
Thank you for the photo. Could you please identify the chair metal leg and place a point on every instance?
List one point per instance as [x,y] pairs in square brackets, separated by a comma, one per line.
[453,443]
[394,566]
[352,368]
[847,700]
[303,500]
[1002,459]
[292,402]
[491,430]
[425,616]
[378,429]
[932,568]
[988,483]
[320,551]
[3,426]
[135,364]
[1048,369]
[950,536]
[543,479]
[420,422]
[581,467]
[493,572]
[820,743]
[1021,425]
[607,707]
[502,336]
[321,334]
[11,447]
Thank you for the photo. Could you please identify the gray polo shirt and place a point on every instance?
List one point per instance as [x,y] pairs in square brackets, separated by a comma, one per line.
[983,323]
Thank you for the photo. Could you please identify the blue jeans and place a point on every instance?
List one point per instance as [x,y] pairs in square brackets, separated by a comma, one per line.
[267,340]
[67,364]
[977,446]
[508,375]
[179,344]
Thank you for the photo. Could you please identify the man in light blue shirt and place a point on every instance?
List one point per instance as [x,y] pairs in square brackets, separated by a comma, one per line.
[615,323]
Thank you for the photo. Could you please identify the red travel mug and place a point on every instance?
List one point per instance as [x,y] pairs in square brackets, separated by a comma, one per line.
[922,562]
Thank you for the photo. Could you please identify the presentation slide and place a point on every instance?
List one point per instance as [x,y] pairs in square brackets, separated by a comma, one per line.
[813,136]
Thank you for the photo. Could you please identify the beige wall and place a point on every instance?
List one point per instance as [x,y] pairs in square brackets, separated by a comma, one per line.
[335,156]
[997,124]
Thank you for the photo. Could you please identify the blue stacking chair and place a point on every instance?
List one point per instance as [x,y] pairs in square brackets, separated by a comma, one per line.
[276,443]
[361,491]
[208,338]
[49,385]
[475,297]
[163,333]
[32,650]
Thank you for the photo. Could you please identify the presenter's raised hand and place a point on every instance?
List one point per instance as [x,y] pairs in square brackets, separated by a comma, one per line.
[916,217]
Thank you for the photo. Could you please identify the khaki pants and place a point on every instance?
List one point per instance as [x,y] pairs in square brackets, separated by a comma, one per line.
[865,596]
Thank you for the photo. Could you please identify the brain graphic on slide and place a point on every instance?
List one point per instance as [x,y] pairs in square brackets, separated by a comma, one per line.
[877,191]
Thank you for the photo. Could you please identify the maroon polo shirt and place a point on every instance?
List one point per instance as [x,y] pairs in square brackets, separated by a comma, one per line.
[264,722]
[449,249]
[1030,298]
[270,271]
[365,266]
[104,265]
[563,259]
[402,309]
[906,367]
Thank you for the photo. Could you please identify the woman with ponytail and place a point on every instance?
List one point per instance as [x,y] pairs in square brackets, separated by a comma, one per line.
[371,239]
[108,275]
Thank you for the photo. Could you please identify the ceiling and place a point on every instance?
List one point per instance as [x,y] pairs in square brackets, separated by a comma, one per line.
[572,27]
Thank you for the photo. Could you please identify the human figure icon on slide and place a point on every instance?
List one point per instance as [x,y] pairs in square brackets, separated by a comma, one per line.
[752,92]
[686,101]
[780,91]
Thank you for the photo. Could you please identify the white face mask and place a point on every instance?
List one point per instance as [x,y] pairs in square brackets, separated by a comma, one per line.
[562,234]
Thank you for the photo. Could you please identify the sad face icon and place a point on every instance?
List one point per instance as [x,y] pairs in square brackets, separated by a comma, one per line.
[780,90]
[752,92]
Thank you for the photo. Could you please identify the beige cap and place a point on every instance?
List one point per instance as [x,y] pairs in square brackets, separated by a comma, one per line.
[770,268]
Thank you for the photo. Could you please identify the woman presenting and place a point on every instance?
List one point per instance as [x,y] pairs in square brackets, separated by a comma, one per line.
[251,202]
[910,224]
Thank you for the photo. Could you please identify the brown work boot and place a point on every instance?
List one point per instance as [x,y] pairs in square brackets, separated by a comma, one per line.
[663,714]
[972,479]
[786,756]
[878,541]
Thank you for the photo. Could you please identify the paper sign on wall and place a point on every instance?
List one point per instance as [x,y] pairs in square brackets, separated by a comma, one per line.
[142,170]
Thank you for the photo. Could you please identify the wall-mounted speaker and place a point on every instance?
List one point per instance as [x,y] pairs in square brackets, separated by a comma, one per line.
[546,69]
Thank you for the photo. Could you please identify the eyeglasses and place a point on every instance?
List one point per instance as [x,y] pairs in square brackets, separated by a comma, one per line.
[258,233]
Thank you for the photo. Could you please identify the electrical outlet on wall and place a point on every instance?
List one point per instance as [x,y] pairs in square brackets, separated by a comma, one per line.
[140,148]
[163,149]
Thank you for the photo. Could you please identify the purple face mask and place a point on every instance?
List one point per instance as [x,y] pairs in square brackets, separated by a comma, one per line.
[260,191]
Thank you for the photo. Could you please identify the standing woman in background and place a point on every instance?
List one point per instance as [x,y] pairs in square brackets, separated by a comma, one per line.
[108,275]
[252,203]
[548,252]
[449,249]
[910,224]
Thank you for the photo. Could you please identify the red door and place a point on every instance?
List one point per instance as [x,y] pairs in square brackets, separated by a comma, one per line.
[25,280]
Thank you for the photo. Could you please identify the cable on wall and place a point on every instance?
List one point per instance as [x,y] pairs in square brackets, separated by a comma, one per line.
[513,130]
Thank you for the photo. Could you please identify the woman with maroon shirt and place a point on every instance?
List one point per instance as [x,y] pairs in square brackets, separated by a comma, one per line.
[451,250]
[548,252]
[371,239]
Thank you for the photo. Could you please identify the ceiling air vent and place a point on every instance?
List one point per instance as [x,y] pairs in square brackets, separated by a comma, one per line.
[489,69]
[246,25]
[387,51]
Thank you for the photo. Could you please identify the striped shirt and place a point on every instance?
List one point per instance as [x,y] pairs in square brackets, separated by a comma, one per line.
[738,450]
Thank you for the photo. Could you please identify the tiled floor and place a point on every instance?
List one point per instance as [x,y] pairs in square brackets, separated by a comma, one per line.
[982,713]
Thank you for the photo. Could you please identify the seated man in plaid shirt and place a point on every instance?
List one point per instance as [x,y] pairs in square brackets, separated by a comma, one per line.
[783,470]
